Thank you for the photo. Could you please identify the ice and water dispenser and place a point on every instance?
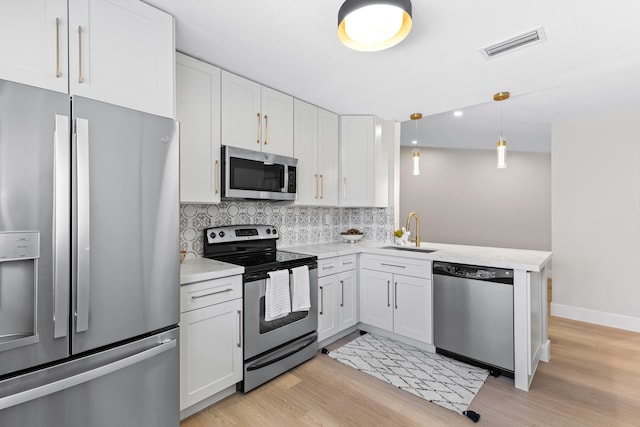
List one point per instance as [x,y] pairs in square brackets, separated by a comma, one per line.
[19,253]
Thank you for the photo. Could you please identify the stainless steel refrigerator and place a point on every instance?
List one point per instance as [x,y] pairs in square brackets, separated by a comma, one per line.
[89,263]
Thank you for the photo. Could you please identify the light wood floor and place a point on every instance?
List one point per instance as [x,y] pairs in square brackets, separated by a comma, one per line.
[593,379]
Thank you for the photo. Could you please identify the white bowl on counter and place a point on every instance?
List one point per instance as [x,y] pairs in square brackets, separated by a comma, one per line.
[351,238]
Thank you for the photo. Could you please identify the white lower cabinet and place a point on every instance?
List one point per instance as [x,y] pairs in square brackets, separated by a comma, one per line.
[210,338]
[395,295]
[337,295]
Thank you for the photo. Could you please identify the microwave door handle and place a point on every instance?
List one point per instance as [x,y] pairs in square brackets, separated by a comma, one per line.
[84,238]
[62,229]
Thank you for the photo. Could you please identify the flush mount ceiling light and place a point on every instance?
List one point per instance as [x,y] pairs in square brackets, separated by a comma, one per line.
[372,25]
[501,146]
[415,153]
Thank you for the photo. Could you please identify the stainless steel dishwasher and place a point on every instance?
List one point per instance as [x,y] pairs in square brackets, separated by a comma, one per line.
[473,315]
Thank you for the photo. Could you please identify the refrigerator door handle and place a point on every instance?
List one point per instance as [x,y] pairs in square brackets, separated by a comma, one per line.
[61,227]
[84,239]
[74,380]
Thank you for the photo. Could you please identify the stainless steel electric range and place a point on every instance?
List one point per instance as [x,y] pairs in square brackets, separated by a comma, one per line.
[270,347]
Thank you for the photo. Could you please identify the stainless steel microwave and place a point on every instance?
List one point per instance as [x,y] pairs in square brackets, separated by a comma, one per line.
[248,174]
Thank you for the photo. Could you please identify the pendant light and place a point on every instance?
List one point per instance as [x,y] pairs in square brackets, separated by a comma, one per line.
[501,146]
[372,25]
[416,151]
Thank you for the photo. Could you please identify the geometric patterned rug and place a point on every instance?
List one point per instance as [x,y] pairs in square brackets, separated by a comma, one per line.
[446,382]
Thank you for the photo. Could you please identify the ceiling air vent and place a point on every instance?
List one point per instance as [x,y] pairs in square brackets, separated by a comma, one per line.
[527,39]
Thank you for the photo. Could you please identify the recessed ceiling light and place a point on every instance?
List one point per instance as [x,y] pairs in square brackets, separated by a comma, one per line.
[457,113]
[414,142]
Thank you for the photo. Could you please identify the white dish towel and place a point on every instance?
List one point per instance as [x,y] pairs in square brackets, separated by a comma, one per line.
[300,300]
[277,299]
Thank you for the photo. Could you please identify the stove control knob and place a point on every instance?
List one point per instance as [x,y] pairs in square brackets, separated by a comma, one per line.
[268,231]
[274,231]
[212,235]
[221,234]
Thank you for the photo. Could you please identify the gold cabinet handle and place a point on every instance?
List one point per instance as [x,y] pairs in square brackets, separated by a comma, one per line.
[321,186]
[80,78]
[217,177]
[259,130]
[57,47]
[266,129]
[344,188]
[316,196]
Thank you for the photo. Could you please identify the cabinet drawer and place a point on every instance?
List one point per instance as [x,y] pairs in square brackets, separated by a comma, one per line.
[397,265]
[347,262]
[327,266]
[209,292]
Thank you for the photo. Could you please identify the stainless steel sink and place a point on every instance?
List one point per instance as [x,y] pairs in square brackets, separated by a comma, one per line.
[410,248]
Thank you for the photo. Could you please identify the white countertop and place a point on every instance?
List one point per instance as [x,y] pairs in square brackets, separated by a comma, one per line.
[200,269]
[517,259]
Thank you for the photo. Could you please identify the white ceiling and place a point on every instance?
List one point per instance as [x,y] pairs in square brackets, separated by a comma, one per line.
[589,64]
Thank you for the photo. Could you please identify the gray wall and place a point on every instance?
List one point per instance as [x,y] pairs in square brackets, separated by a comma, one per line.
[596,220]
[462,198]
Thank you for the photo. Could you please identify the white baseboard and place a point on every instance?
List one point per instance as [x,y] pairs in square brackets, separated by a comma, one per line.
[602,318]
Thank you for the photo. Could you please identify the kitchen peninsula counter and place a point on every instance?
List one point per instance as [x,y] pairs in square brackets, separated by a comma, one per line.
[517,259]
[530,271]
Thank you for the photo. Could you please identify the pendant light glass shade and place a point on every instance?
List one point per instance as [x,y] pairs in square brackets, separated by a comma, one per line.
[372,25]
[416,151]
[501,146]
[416,161]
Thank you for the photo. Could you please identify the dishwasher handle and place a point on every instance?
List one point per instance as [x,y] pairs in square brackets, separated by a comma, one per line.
[475,272]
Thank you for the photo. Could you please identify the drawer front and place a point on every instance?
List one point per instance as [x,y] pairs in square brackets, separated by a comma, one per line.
[397,265]
[327,266]
[209,292]
[347,262]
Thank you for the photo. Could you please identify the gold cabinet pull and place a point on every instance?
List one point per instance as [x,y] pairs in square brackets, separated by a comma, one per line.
[344,188]
[321,186]
[80,78]
[316,196]
[259,130]
[57,47]
[217,177]
[266,129]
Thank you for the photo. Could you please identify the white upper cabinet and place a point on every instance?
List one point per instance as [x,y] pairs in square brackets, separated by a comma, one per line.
[256,117]
[277,122]
[116,51]
[241,117]
[364,171]
[328,157]
[316,148]
[198,111]
[122,52]
[34,43]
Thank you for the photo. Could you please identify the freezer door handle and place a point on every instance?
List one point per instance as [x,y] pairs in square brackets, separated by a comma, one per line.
[72,381]
[61,227]
[84,239]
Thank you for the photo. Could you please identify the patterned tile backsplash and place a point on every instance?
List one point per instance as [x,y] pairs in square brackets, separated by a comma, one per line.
[297,225]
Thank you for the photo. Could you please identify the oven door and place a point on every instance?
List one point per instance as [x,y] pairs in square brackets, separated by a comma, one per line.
[261,336]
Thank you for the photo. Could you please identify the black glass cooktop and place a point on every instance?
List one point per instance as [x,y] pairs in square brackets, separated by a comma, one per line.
[267,261]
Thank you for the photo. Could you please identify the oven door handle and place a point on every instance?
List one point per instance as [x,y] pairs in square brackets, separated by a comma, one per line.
[271,359]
